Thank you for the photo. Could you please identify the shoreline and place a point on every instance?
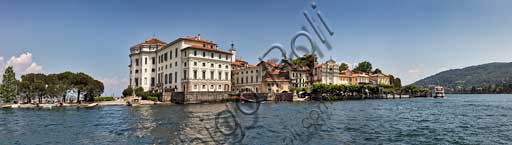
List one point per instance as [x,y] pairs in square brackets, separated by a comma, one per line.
[83,105]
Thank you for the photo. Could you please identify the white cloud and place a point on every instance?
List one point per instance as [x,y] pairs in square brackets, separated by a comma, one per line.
[34,68]
[21,64]
[414,71]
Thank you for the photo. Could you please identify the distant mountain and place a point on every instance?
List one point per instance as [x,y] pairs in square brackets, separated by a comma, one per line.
[486,78]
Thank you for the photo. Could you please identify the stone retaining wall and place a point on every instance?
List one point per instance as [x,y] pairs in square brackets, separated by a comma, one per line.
[202,97]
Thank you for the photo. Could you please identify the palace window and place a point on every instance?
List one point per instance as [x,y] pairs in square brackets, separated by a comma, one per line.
[220,76]
[152,81]
[220,66]
[136,62]
[226,75]
[204,86]
[176,54]
[136,71]
[184,74]
[212,55]
[195,63]
[175,77]
[195,53]
[204,64]
[145,60]
[211,75]
[153,60]
[165,56]
[212,65]
[204,54]
[185,64]
[165,79]
[170,55]
[220,56]
[204,75]
[195,74]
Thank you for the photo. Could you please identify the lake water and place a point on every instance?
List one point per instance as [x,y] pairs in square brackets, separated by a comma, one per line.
[457,119]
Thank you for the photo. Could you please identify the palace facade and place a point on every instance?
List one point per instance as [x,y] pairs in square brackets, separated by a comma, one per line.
[188,64]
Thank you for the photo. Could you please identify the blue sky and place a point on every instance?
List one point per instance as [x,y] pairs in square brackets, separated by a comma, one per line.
[411,39]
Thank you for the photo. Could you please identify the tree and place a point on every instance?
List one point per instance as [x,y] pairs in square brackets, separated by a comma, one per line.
[343,67]
[139,92]
[127,92]
[32,85]
[66,80]
[39,85]
[377,71]
[397,83]
[364,66]
[8,87]
[94,88]
[79,83]
[307,60]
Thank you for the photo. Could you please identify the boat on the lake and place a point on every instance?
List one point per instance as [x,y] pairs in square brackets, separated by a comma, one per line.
[91,105]
[438,92]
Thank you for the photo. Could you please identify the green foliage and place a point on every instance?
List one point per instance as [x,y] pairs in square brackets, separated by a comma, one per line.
[307,60]
[148,94]
[377,71]
[139,92]
[152,98]
[34,86]
[103,99]
[127,92]
[94,88]
[318,88]
[343,67]
[8,87]
[364,66]
[485,78]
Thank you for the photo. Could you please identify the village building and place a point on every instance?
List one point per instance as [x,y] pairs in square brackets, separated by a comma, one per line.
[327,73]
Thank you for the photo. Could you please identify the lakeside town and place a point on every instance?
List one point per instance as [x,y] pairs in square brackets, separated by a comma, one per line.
[194,70]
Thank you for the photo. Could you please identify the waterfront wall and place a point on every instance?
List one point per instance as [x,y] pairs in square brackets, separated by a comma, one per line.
[202,97]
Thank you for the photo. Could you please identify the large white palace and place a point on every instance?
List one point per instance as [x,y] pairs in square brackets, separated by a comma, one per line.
[188,64]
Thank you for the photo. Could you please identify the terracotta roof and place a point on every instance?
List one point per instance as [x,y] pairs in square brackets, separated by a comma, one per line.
[359,75]
[273,72]
[151,41]
[196,39]
[271,64]
[154,41]
[207,49]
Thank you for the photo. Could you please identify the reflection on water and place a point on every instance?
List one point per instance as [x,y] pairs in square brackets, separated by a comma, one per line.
[457,119]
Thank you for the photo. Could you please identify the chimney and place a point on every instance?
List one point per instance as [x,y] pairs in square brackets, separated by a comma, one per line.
[198,36]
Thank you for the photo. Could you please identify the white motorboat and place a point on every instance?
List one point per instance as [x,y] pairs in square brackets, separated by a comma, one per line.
[438,92]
